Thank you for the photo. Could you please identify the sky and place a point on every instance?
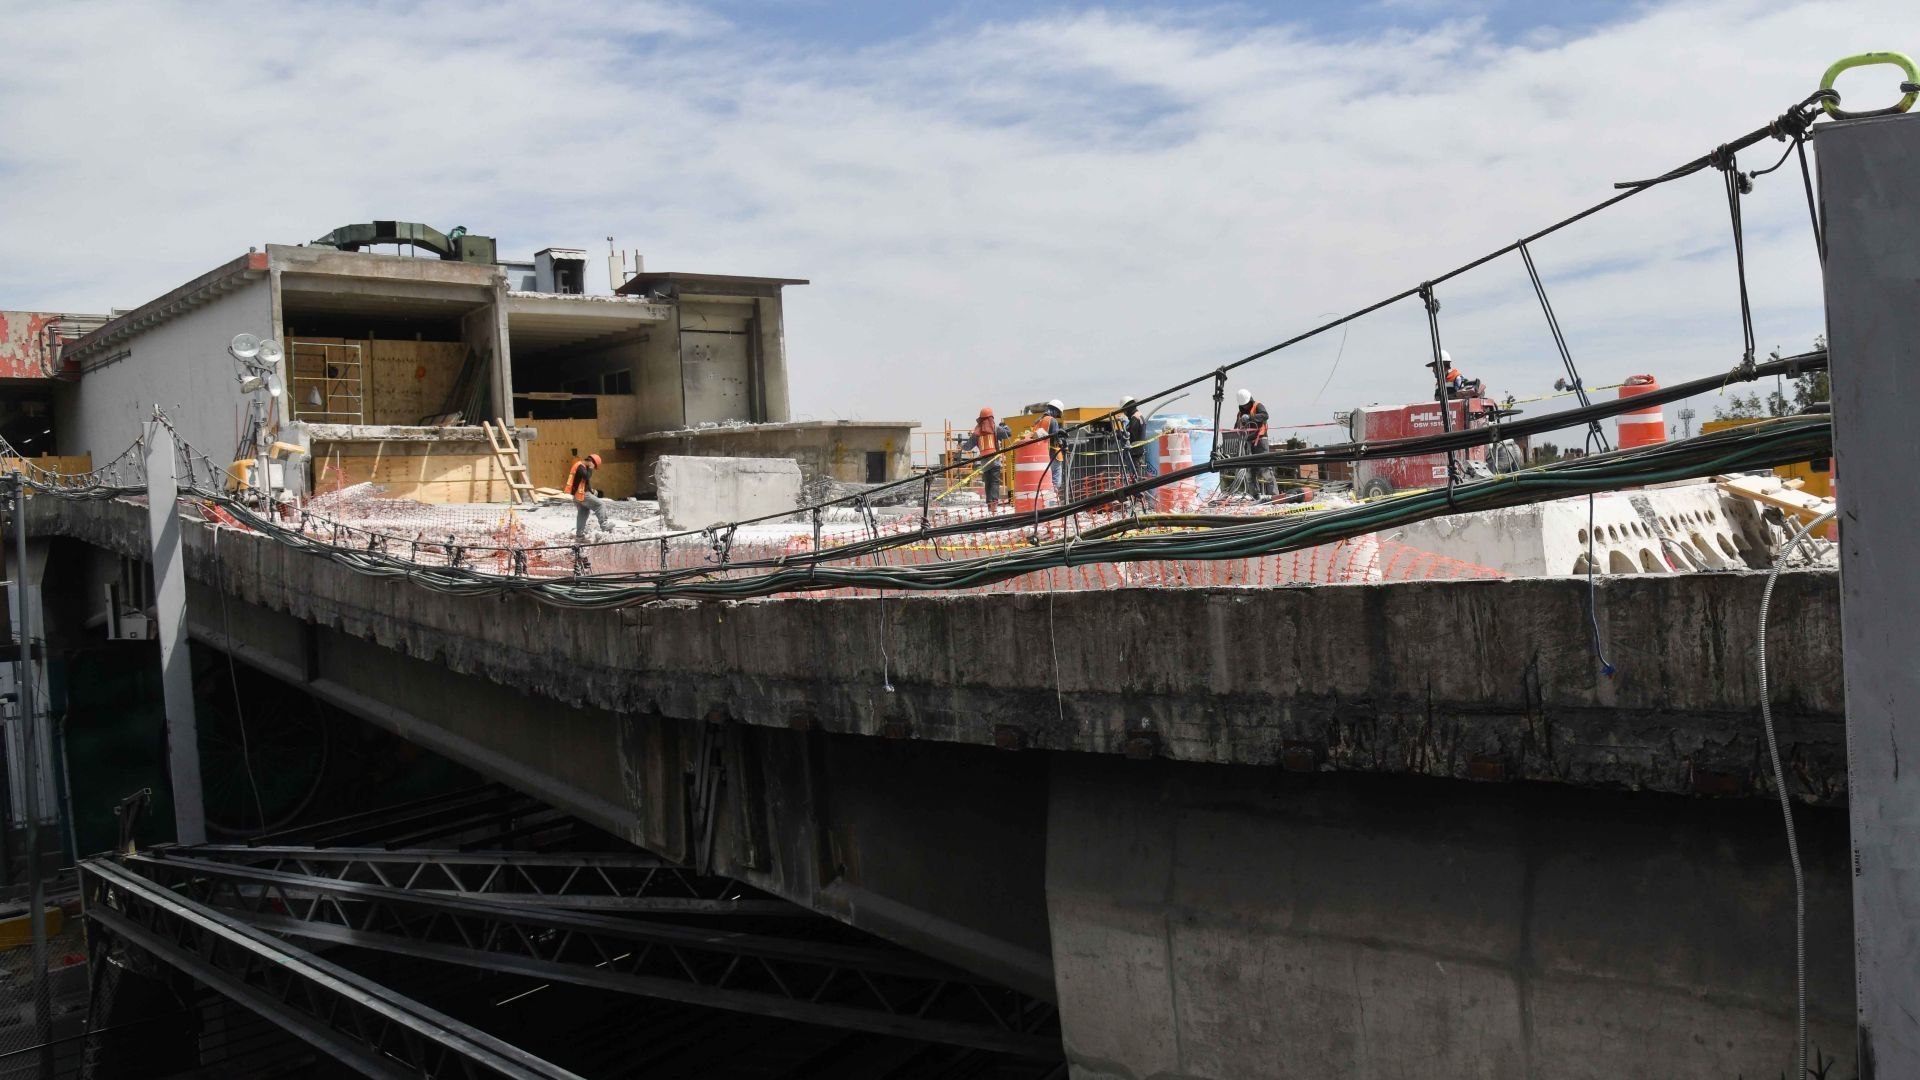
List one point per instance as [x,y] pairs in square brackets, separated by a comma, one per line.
[996,202]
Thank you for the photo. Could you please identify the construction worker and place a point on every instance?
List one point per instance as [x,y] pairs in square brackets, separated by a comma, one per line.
[1458,385]
[1250,437]
[984,440]
[585,499]
[1133,433]
[1050,425]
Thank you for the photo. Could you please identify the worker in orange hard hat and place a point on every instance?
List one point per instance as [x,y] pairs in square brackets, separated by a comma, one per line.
[585,499]
[984,441]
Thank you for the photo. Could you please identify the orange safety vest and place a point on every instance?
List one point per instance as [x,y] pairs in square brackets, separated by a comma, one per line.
[1256,433]
[575,484]
[987,436]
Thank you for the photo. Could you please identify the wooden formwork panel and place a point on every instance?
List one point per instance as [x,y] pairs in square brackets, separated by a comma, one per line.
[411,379]
[429,473]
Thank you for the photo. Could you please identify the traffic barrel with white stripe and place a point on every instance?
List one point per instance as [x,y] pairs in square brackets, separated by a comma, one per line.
[1645,426]
[1030,476]
[1176,453]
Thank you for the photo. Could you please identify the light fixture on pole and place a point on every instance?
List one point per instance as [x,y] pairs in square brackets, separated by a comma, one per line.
[259,358]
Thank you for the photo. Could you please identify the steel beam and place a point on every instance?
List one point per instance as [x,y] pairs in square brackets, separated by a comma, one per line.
[879,990]
[584,881]
[338,1012]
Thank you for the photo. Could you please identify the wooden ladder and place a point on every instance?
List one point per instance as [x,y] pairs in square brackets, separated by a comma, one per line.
[507,452]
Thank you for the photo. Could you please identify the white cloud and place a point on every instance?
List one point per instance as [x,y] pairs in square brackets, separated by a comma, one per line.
[1075,206]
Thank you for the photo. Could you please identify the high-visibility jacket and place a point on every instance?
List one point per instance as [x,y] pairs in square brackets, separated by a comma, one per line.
[1048,427]
[1253,421]
[580,480]
[986,436]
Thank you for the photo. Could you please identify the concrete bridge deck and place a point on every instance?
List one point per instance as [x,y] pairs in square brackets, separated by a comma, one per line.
[1147,803]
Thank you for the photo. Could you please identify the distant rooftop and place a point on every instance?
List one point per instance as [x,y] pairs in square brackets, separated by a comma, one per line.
[640,283]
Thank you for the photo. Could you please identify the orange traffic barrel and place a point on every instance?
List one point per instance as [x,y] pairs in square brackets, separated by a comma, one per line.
[1176,453]
[1641,427]
[1030,475]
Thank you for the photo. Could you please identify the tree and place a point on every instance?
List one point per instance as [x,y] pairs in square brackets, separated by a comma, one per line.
[1810,389]
[1741,408]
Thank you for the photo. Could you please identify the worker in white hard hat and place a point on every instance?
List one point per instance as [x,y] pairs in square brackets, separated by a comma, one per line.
[1250,437]
[1132,428]
[1458,385]
[1049,425]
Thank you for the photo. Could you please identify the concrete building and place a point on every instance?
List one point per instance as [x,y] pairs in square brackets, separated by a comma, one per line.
[392,362]
[33,361]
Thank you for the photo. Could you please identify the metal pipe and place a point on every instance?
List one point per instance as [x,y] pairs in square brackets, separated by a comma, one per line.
[29,720]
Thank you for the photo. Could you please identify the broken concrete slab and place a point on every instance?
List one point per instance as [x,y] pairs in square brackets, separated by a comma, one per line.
[696,492]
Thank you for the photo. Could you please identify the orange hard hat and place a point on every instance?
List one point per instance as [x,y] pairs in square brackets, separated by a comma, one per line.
[986,411]
[595,458]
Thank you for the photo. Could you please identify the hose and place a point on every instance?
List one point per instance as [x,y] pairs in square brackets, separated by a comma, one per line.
[1786,804]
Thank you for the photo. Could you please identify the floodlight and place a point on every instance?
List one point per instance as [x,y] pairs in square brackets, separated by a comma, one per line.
[246,346]
[269,353]
[251,383]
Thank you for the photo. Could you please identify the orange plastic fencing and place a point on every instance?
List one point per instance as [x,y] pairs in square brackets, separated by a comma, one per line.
[492,539]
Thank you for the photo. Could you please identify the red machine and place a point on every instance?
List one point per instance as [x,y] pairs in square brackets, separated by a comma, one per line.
[1379,423]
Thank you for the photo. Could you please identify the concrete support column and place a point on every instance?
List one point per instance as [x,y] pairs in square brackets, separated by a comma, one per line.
[1871,206]
[170,611]
[770,325]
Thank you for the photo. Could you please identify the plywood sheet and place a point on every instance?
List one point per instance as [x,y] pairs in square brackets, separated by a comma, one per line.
[619,414]
[411,379]
[409,473]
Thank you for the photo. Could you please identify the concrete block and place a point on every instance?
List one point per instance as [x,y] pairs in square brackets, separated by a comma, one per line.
[696,492]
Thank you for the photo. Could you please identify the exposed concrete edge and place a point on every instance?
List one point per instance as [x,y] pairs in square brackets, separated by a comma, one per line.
[1482,680]
[1026,971]
[616,819]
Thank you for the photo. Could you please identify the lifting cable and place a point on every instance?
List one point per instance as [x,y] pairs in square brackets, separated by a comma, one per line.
[1432,305]
[1560,343]
[1728,162]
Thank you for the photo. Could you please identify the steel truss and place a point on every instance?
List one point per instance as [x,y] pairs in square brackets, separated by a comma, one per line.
[579,881]
[882,991]
[350,1018]
[490,809]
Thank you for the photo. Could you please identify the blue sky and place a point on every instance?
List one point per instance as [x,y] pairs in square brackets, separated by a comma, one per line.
[868,22]
[996,203]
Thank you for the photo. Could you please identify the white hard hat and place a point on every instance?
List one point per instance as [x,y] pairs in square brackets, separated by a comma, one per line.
[1129,400]
[1056,403]
[1245,396]
[1446,358]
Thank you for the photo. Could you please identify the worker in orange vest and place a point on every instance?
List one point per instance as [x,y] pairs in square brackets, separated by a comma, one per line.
[984,441]
[585,499]
[1054,429]
[1458,385]
[1250,437]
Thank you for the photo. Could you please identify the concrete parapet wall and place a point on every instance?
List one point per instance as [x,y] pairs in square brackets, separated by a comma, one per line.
[1485,680]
